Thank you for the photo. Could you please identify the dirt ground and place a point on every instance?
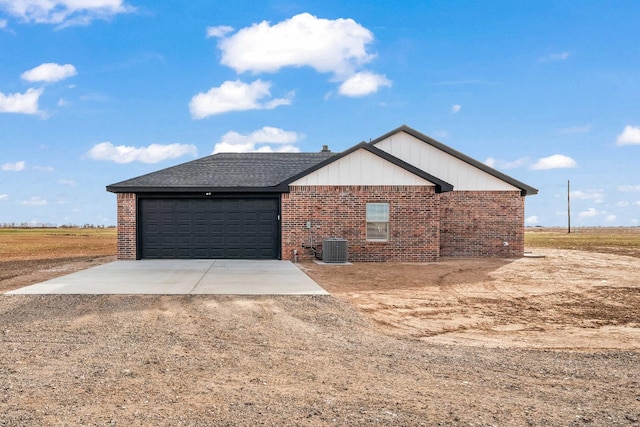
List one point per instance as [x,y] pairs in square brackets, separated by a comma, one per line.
[566,300]
[532,341]
[15,274]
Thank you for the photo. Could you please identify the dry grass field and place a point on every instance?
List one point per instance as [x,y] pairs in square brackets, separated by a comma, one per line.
[460,342]
[30,256]
[56,243]
[608,240]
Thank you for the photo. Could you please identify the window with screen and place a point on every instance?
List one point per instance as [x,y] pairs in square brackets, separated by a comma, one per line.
[378,222]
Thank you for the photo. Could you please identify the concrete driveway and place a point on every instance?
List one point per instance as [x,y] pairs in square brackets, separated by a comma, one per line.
[169,277]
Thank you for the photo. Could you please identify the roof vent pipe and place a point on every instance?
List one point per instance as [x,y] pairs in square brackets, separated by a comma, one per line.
[325,149]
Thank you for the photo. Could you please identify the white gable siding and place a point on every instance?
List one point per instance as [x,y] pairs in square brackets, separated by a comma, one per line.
[361,168]
[461,175]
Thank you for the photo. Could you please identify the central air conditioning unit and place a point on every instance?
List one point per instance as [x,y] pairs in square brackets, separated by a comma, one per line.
[334,250]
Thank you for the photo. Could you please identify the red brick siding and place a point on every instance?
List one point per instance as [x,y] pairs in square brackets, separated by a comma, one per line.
[126,226]
[476,223]
[423,225]
[340,211]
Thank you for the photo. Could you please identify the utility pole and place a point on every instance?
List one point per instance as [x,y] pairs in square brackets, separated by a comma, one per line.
[568,207]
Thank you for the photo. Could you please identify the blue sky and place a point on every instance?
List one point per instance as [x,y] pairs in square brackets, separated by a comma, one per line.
[93,92]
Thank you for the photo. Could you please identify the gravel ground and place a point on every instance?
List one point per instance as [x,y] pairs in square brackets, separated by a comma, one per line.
[553,341]
[224,360]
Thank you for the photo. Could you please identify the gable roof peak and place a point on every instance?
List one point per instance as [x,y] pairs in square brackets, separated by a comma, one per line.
[524,188]
[441,185]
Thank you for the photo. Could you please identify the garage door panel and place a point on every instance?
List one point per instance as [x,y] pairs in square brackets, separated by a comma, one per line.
[200,253]
[184,241]
[251,240]
[216,253]
[200,218]
[251,216]
[200,240]
[209,228]
[251,228]
[233,254]
[200,228]
[232,242]
[185,229]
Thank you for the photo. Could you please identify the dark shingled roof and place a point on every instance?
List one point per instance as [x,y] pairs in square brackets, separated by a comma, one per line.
[272,172]
[225,172]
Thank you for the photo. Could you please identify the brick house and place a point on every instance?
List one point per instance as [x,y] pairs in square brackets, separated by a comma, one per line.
[400,197]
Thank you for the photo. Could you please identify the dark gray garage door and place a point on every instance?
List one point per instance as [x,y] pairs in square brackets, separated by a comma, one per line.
[209,228]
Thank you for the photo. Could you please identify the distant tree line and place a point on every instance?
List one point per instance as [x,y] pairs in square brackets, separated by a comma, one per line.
[46,225]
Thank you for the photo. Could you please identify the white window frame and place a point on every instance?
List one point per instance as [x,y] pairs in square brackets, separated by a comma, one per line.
[378,217]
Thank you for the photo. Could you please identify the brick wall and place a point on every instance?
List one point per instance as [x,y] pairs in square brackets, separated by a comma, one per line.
[476,223]
[126,226]
[340,211]
[423,225]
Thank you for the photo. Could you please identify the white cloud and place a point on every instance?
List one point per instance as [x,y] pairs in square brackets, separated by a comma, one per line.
[561,56]
[557,161]
[22,103]
[234,142]
[596,195]
[3,24]
[630,136]
[35,201]
[575,129]
[531,220]
[49,72]
[636,203]
[14,167]
[235,96]
[623,204]
[282,149]
[590,213]
[629,188]
[610,218]
[69,182]
[4,196]
[219,31]
[503,164]
[362,84]
[64,12]
[154,153]
[338,46]
[455,108]
[44,168]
